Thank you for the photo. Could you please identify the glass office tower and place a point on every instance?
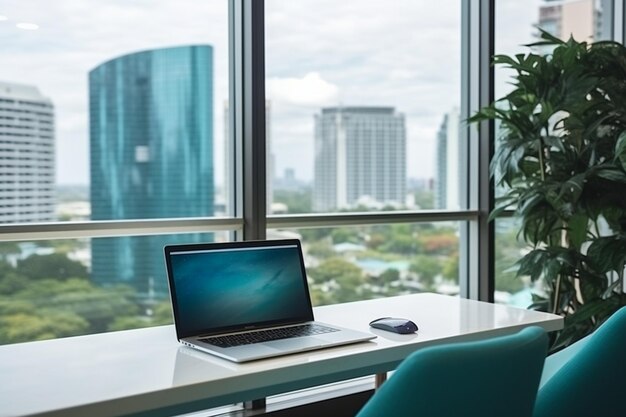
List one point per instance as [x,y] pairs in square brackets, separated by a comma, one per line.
[151,135]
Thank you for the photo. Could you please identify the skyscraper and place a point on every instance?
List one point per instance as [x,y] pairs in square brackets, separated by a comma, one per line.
[449,162]
[360,158]
[27,165]
[151,134]
[581,19]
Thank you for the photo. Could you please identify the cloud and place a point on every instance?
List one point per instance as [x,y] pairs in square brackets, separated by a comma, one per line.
[318,53]
[310,90]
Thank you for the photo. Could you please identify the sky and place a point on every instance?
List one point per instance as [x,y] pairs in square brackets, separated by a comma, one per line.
[319,53]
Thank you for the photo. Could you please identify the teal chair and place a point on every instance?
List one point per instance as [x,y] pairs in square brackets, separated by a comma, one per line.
[497,377]
[587,378]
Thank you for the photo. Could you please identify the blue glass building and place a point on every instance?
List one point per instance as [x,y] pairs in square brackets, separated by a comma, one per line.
[151,135]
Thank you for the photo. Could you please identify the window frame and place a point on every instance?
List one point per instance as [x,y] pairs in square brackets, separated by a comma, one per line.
[249,220]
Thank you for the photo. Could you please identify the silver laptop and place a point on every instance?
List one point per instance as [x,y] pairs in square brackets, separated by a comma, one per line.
[244,301]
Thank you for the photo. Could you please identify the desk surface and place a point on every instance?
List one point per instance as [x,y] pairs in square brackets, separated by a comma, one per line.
[147,372]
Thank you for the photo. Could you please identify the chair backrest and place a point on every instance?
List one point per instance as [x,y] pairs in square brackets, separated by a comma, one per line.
[593,381]
[489,378]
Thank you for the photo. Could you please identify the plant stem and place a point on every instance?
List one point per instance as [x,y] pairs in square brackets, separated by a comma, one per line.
[542,172]
[557,293]
[542,169]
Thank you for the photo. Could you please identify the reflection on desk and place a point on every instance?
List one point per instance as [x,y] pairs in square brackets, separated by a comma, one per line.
[148,371]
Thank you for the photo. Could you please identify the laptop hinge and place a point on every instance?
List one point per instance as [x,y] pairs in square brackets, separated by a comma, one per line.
[254,404]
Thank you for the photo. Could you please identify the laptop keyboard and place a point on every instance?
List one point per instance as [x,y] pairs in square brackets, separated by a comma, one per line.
[261,336]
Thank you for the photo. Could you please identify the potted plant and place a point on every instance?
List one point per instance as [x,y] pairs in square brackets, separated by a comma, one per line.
[560,162]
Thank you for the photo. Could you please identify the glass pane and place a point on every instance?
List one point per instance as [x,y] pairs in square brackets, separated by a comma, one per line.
[107,114]
[364,101]
[515,26]
[357,263]
[510,289]
[61,288]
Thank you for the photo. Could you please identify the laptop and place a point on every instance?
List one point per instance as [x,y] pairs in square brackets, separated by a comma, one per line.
[244,301]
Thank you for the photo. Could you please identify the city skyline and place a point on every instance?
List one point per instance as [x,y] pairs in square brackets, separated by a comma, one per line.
[299,80]
[97,36]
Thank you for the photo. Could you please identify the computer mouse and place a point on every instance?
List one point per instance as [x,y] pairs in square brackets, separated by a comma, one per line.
[396,325]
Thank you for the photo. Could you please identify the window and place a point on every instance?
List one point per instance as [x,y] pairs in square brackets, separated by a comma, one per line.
[363,118]
[132,110]
[125,126]
[108,115]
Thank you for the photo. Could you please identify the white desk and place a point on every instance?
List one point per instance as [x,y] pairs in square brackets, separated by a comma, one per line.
[147,372]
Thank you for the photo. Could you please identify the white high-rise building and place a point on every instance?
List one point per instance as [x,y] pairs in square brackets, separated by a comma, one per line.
[584,20]
[27,165]
[449,163]
[360,158]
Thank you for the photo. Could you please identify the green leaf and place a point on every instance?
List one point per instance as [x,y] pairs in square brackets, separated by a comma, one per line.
[532,264]
[496,212]
[612,175]
[611,288]
[506,60]
[608,254]
[598,307]
[540,305]
[548,39]
[614,216]
[591,284]
[578,225]
[486,113]
[573,188]
[554,141]
[620,150]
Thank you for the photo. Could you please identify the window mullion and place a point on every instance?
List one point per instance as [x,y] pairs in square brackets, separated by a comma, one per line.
[249,98]
[477,237]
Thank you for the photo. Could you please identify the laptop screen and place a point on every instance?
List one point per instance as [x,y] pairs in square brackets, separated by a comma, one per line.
[239,285]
